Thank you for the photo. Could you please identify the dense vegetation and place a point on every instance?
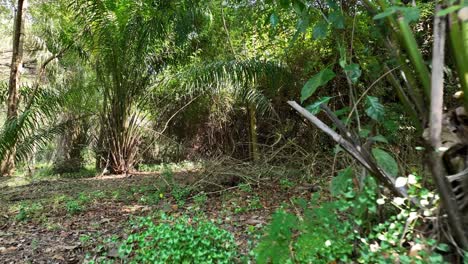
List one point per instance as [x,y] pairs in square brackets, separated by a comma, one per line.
[232,131]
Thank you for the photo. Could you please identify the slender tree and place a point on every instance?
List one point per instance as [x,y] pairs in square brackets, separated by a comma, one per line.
[8,163]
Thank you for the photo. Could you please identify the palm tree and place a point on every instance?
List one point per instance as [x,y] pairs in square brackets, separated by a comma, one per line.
[35,124]
[245,82]
[130,42]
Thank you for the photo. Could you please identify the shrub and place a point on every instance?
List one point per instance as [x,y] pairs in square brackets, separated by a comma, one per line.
[182,240]
[324,235]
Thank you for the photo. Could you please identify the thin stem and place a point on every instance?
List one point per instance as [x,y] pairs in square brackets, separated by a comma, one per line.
[459,47]
[411,46]
[405,101]
[368,89]
[227,31]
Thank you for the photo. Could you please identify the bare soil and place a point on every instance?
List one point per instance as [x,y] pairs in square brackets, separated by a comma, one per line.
[51,234]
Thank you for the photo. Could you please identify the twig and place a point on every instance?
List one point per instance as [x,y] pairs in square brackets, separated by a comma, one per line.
[368,89]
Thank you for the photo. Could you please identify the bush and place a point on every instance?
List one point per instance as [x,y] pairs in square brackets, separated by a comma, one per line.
[182,240]
[324,235]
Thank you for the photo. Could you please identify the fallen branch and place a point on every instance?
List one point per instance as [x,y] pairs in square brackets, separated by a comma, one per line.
[357,151]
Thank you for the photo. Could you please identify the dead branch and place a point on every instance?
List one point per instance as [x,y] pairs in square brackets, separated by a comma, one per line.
[357,151]
[439,173]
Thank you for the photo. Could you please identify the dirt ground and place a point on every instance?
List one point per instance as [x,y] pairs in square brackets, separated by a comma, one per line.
[62,221]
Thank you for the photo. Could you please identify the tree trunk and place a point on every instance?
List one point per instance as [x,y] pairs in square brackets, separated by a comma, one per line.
[70,145]
[8,163]
[254,151]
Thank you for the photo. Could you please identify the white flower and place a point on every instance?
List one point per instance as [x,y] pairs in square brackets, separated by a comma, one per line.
[412,216]
[442,149]
[424,202]
[374,247]
[412,179]
[382,237]
[458,94]
[399,200]
[327,243]
[400,182]
[427,213]
[381,201]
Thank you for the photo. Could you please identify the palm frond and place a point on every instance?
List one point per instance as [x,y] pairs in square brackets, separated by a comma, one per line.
[247,81]
[34,126]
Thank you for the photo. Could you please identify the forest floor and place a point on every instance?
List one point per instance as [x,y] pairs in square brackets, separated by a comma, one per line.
[64,220]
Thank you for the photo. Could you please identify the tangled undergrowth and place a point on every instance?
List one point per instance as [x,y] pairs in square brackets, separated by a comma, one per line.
[350,228]
[313,223]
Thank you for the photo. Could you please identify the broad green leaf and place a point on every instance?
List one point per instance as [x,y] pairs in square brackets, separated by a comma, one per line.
[380,138]
[301,27]
[274,20]
[390,125]
[364,132]
[388,12]
[320,29]
[449,10]
[342,111]
[303,24]
[353,71]
[298,6]
[443,247]
[340,183]
[320,79]
[385,161]
[336,19]
[375,109]
[332,4]
[343,60]
[315,107]
[410,14]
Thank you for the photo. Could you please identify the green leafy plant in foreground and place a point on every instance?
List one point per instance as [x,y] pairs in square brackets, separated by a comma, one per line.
[324,235]
[181,240]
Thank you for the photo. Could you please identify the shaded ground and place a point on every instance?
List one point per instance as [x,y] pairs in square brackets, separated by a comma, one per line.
[64,220]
